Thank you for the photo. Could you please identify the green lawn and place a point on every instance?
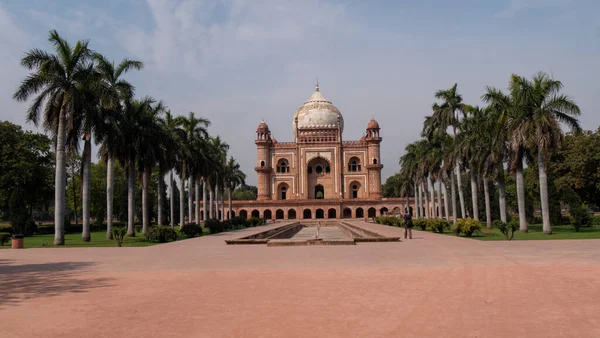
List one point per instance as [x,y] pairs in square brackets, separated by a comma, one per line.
[536,233]
[74,241]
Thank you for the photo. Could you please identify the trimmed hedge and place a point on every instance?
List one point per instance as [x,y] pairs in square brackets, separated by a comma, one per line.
[160,234]
[389,220]
[4,237]
[191,230]
[467,227]
[438,225]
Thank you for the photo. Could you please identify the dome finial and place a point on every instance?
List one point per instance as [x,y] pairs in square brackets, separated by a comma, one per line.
[317,86]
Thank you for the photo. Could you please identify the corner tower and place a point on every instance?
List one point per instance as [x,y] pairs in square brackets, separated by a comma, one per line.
[374,165]
[263,164]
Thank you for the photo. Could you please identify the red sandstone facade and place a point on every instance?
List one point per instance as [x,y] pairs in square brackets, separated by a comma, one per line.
[319,175]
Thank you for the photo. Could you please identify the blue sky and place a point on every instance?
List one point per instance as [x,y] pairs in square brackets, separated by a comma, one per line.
[238,61]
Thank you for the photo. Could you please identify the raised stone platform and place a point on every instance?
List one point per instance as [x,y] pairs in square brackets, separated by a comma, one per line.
[300,234]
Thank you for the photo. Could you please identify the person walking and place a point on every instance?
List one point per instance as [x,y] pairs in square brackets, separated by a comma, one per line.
[408,225]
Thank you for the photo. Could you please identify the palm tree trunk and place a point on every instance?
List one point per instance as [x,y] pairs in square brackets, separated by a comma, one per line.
[446,210]
[453,193]
[109,196]
[217,201]
[60,180]
[161,189]
[130,197]
[145,214]
[211,196]
[190,198]
[439,197]
[474,196]
[204,201]
[427,215]
[197,196]
[171,199]
[181,200]
[502,193]
[432,196]
[222,194]
[407,206]
[229,205]
[521,198]
[418,200]
[488,209]
[85,189]
[544,194]
[73,175]
[461,196]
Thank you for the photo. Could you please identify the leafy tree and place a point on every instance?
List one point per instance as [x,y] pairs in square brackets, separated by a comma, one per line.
[392,186]
[26,168]
[576,166]
[245,193]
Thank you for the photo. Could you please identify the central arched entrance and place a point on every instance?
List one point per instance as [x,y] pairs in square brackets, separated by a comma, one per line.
[320,213]
[319,192]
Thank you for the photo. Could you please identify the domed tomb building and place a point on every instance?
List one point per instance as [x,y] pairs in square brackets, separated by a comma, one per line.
[319,175]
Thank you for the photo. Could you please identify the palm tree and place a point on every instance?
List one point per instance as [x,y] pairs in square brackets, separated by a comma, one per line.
[166,161]
[541,110]
[58,80]
[189,130]
[446,115]
[218,154]
[127,146]
[114,91]
[472,143]
[234,177]
[500,109]
[151,136]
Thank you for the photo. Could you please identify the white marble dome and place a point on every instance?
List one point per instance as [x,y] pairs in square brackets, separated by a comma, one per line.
[318,112]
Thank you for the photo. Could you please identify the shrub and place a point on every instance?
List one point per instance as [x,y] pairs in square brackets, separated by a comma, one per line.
[238,222]
[191,230]
[438,225]
[566,220]
[215,226]
[160,234]
[256,221]
[388,220]
[537,220]
[507,229]
[6,228]
[24,225]
[4,237]
[45,230]
[138,228]
[420,223]
[467,227]
[118,233]
[580,216]
[595,220]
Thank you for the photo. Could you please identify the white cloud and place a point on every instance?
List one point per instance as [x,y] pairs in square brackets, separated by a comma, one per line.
[517,6]
[182,40]
[14,42]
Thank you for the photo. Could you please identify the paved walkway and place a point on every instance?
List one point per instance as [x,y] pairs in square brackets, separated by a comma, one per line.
[433,285]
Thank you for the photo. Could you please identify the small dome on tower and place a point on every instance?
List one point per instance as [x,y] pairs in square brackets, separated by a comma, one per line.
[262,127]
[373,124]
